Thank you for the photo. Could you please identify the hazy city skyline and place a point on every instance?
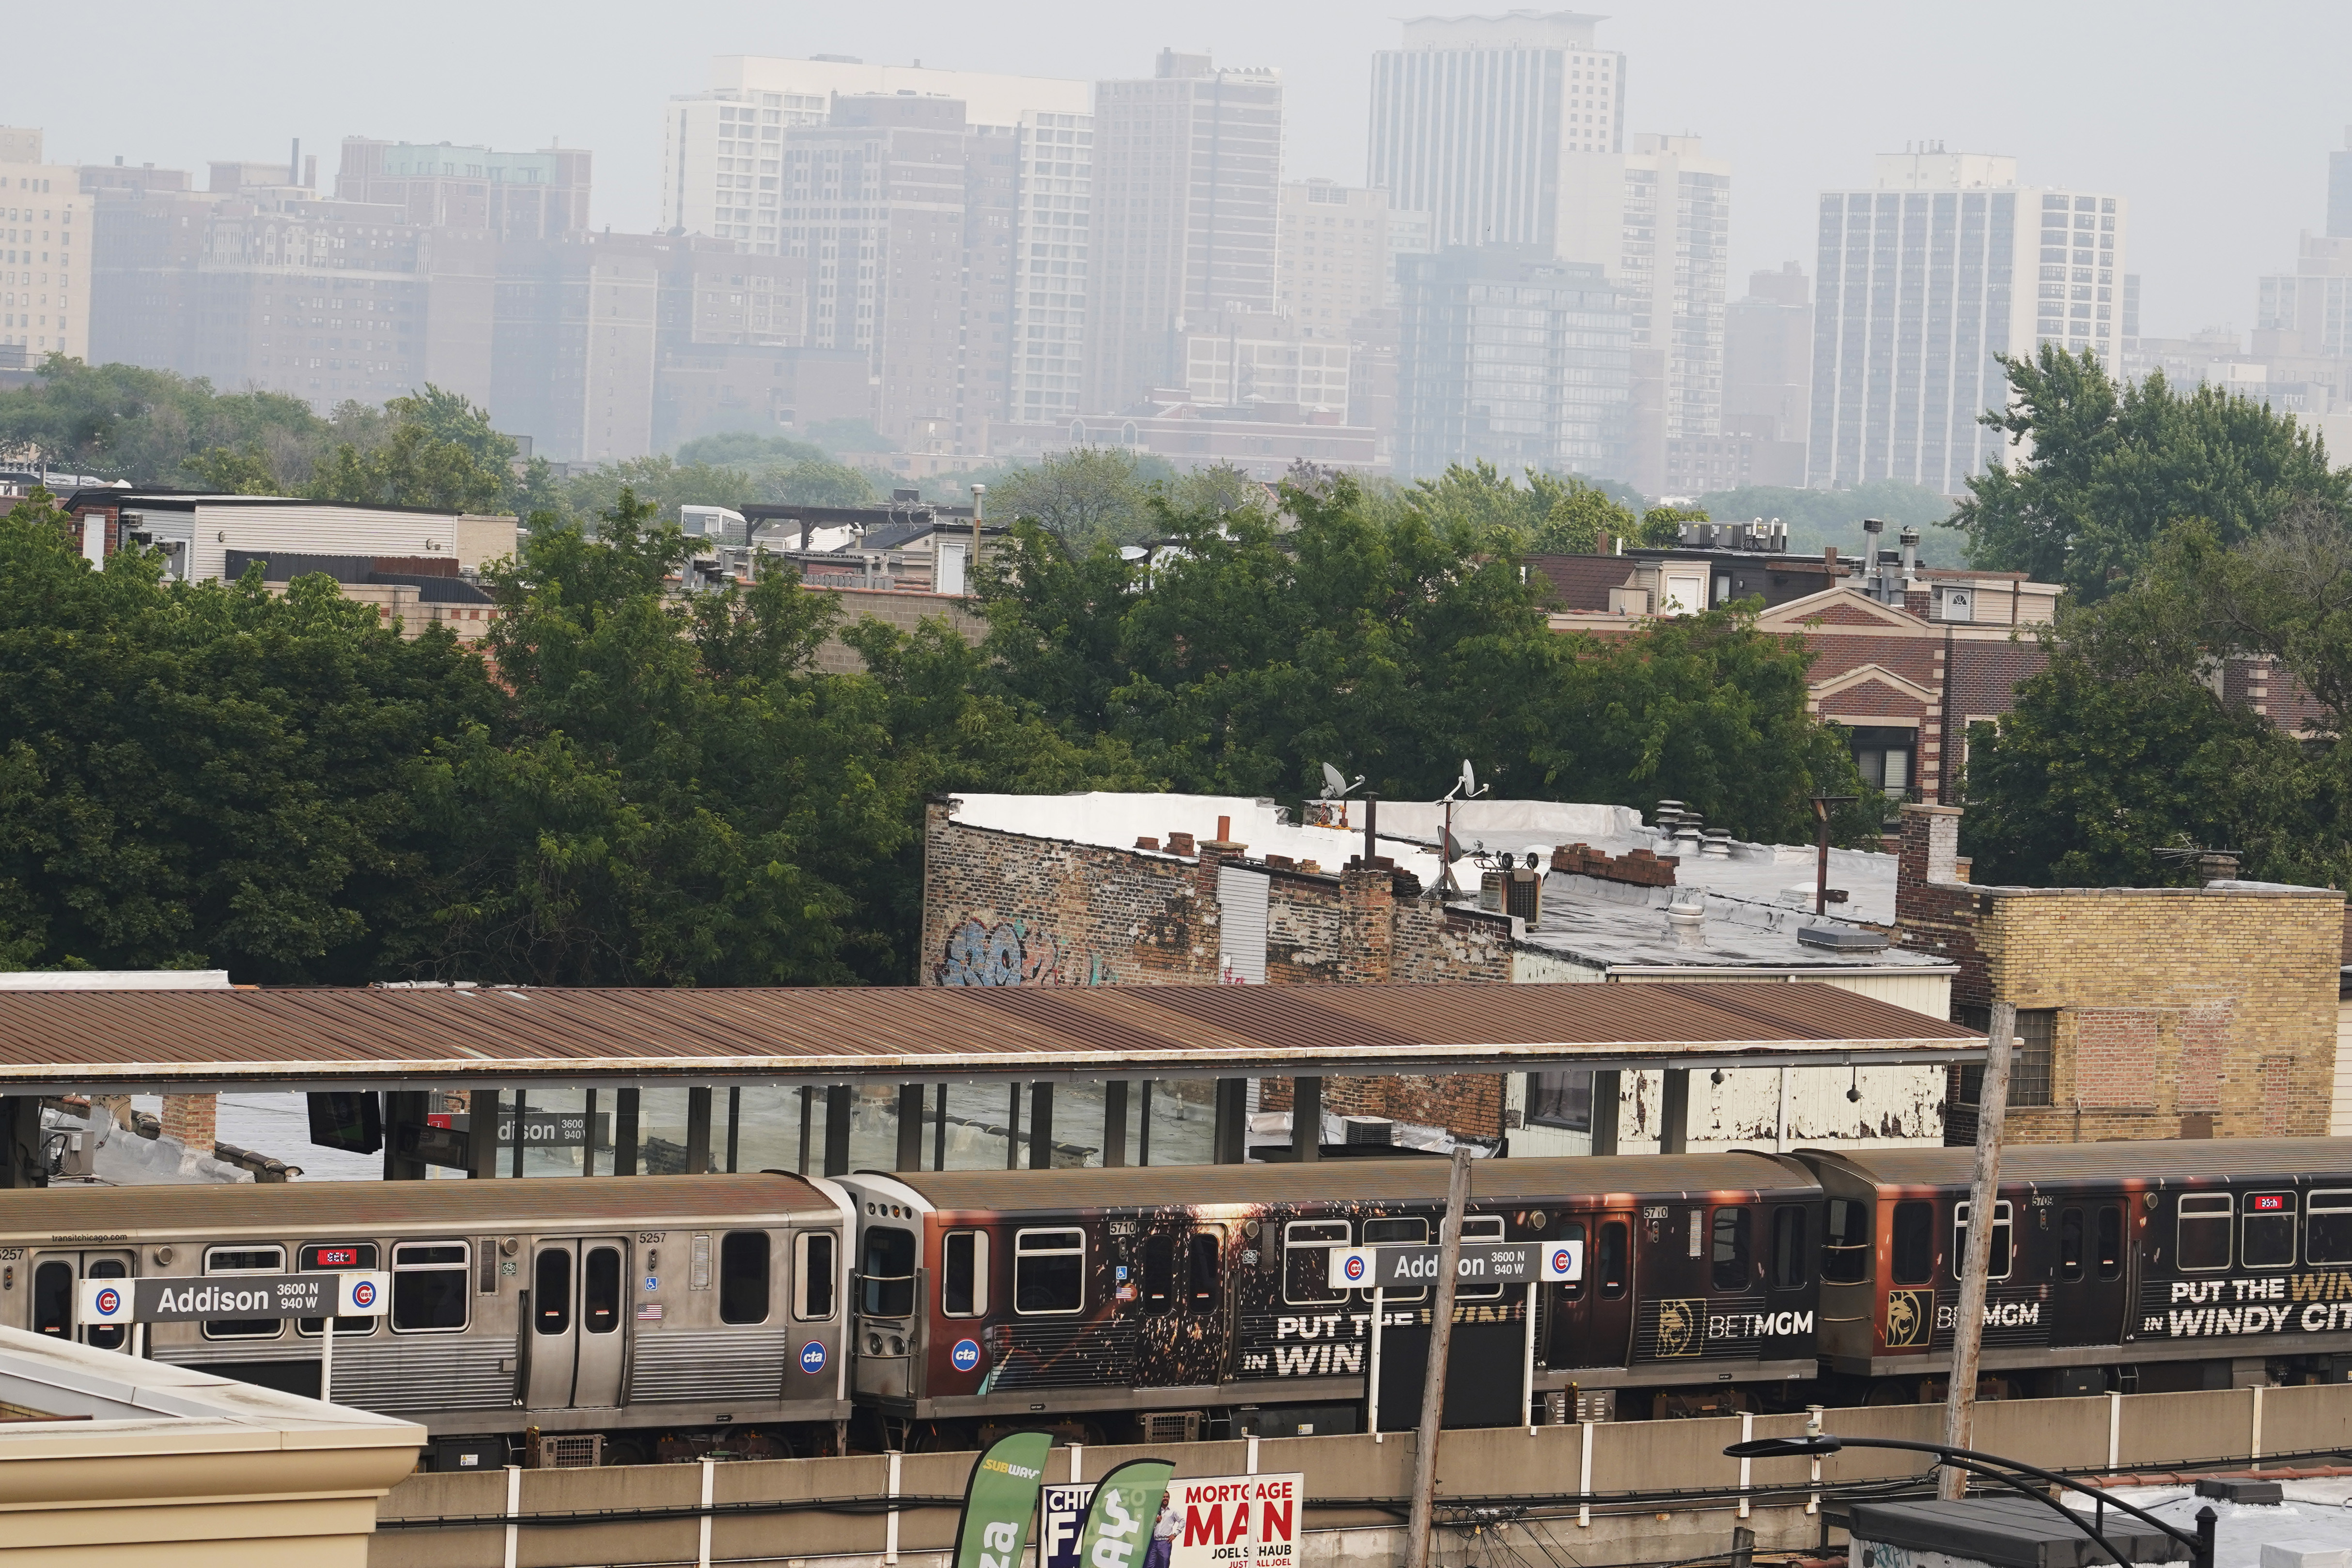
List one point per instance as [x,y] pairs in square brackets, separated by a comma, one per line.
[2217,136]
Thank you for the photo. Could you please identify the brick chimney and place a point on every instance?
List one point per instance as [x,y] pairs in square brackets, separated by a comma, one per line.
[1928,853]
[191,1118]
[1367,921]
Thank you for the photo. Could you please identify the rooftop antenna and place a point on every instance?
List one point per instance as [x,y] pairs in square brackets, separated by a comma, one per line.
[1336,787]
[1465,788]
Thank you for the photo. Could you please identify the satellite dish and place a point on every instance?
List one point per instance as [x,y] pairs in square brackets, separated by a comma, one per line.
[1469,778]
[1334,783]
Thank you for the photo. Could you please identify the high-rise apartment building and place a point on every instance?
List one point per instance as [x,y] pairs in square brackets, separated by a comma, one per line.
[44,253]
[1488,124]
[1944,263]
[1186,173]
[1674,249]
[1336,283]
[514,195]
[1768,357]
[1511,355]
[723,158]
[1052,236]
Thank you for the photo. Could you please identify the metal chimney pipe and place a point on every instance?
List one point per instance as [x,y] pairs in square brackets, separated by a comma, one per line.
[1910,539]
[1872,573]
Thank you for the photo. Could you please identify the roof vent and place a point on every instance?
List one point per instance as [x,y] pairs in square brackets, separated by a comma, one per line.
[1842,939]
[1688,923]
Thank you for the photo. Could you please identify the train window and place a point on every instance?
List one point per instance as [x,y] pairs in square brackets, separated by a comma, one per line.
[1845,1249]
[2111,1240]
[2070,1244]
[551,1292]
[53,1299]
[1049,1271]
[814,1273]
[1788,1269]
[244,1259]
[335,1258]
[1614,1254]
[1914,1260]
[964,1274]
[1572,1231]
[888,1272]
[428,1287]
[743,1276]
[1204,1270]
[2327,1228]
[106,1336]
[1159,1273]
[1410,1229]
[2203,1240]
[1480,1228]
[1305,1262]
[2266,1231]
[1729,1259]
[2003,1232]
[600,1291]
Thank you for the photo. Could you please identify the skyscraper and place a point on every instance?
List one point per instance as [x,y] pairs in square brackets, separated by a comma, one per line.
[1485,123]
[1675,246]
[723,172]
[1186,170]
[45,261]
[514,195]
[1513,356]
[1945,262]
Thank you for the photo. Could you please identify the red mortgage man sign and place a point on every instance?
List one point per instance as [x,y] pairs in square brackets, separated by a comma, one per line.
[1234,1522]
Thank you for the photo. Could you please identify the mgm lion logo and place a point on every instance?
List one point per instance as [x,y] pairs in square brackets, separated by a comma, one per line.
[1679,1327]
[1908,1313]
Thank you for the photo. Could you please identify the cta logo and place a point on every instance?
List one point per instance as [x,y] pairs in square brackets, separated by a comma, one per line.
[966,1355]
[1353,1268]
[813,1356]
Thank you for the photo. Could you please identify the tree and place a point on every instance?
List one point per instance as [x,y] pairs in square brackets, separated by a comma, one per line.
[662,484]
[1661,526]
[675,796]
[2110,470]
[121,422]
[211,774]
[744,448]
[441,453]
[1085,493]
[1554,514]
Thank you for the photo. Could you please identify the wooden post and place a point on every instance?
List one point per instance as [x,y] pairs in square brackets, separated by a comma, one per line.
[1441,1343]
[1984,1198]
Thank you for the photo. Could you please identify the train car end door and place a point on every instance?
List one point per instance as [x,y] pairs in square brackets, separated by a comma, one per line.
[54,1276]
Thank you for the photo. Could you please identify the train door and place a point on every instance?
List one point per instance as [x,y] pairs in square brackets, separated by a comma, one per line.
[55,1274]
[577,1288]
[2093,1295]
[1180,1298]
[1591,1319]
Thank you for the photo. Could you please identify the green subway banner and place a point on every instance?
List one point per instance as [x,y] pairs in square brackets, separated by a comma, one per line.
[1117,1531]
[999,1499]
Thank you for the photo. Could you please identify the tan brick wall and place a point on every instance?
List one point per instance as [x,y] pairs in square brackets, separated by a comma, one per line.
[903,610]
[2180,1010]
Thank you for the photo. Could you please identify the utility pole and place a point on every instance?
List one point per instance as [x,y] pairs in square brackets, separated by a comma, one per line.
[1984,1199]
[1441,1342]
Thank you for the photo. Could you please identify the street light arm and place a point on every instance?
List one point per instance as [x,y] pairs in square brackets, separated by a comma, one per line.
[1941,1450]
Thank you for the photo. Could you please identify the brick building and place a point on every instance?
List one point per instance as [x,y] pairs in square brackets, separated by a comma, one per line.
[1018,908]
[1907,668]
[2146,1012]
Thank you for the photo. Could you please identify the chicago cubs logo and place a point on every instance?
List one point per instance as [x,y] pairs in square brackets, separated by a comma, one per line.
[813,1356]
[1562,1259]
[966,1355]
[110,1301]
[1354,1269]
[363,1293]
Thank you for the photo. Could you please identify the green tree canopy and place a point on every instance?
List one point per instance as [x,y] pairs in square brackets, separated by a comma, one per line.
[440,452]
[120,422]
[2104,472]
[210,774]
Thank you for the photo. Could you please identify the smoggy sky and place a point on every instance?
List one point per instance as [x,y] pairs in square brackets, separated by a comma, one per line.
[2215,121]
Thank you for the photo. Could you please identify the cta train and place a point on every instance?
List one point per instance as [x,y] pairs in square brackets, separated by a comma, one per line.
[761,1312]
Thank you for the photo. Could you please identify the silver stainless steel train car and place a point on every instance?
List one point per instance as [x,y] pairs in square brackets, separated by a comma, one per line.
[692,1304]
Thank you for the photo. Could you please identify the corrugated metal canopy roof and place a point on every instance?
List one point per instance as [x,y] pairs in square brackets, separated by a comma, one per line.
[2146,1159]
[52,1040]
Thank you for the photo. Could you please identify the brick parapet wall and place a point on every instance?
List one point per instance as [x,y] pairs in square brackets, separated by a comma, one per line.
[2196,1010]
[893,607]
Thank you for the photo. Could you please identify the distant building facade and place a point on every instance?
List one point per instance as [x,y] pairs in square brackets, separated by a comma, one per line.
[1510,355]
[1945,263]
[514,195]
[46,257]
[1670,272]
[1767,353]
[1185,195]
